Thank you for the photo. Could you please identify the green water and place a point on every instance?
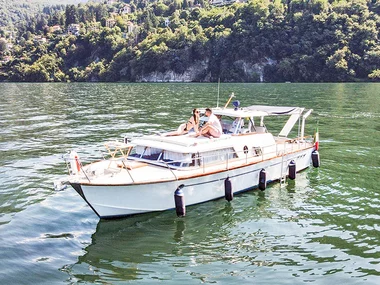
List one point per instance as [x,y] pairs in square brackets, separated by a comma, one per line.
[322,228]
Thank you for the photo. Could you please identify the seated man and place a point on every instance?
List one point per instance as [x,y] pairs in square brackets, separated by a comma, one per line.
[212,128]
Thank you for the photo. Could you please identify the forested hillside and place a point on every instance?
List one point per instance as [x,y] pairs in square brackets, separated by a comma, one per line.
[13,11]
[182,40]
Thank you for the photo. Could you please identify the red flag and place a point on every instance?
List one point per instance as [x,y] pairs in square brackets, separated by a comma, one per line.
[316,139]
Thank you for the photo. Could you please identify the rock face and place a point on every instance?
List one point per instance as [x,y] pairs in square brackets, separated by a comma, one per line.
[168,76]
[199,72]
[193,73]
[254,72]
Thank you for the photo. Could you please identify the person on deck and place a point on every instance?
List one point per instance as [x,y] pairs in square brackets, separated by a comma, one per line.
[191,124]
[213,128]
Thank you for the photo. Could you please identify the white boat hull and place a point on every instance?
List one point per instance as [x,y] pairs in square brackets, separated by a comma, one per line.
[110,201]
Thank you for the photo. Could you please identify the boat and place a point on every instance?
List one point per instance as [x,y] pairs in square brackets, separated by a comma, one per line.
[156,173]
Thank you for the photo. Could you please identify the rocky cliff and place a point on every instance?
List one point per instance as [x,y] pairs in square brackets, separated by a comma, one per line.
[199,72]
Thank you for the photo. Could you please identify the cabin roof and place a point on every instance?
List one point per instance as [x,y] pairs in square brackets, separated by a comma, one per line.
[184,143]
[187,144]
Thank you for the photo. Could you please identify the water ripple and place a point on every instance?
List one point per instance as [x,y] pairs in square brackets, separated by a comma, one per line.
[321,228]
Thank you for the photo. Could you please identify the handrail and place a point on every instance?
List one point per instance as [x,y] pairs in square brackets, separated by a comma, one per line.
[84,172]
[276,152]
[175,176]
[252,155]
[126,168]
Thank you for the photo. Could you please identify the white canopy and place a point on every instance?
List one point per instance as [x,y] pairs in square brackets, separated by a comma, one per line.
[257,111]
[275,110]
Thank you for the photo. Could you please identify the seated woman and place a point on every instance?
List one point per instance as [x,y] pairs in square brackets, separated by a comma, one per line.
[191,124]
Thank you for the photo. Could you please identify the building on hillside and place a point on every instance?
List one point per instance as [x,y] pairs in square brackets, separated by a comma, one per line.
[73,29]
[132,31]
[110,2]
[93,27]
[217,2]
[39,40]
[10,34]
[225,2]
[131,27]
[167,22]
[5,59]
[110,23]
[126,9]
[55,29]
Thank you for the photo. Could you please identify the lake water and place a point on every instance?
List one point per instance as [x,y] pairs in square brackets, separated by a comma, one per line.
[322,228]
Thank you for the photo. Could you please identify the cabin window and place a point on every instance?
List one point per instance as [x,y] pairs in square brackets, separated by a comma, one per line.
[179,159]
[259,129]
[160,155]
[147,152]
[183,159]
[216,155]
[232,125]
[256,151]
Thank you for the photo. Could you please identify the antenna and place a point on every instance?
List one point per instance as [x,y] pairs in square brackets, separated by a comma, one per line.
[217,102]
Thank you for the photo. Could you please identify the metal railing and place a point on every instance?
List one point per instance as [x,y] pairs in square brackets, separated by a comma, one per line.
[245,156]
[250,156]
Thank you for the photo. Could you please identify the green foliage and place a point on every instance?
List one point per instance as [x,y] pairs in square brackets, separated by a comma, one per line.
[3,46]
[71,15]
[23,10]
[279,40]
[375,75]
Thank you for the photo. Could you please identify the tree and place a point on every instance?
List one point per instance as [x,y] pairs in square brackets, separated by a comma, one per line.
[3,45]
[185,4]
[161,9]
[291,40]
[71,14]
[338,64]
[375,75]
